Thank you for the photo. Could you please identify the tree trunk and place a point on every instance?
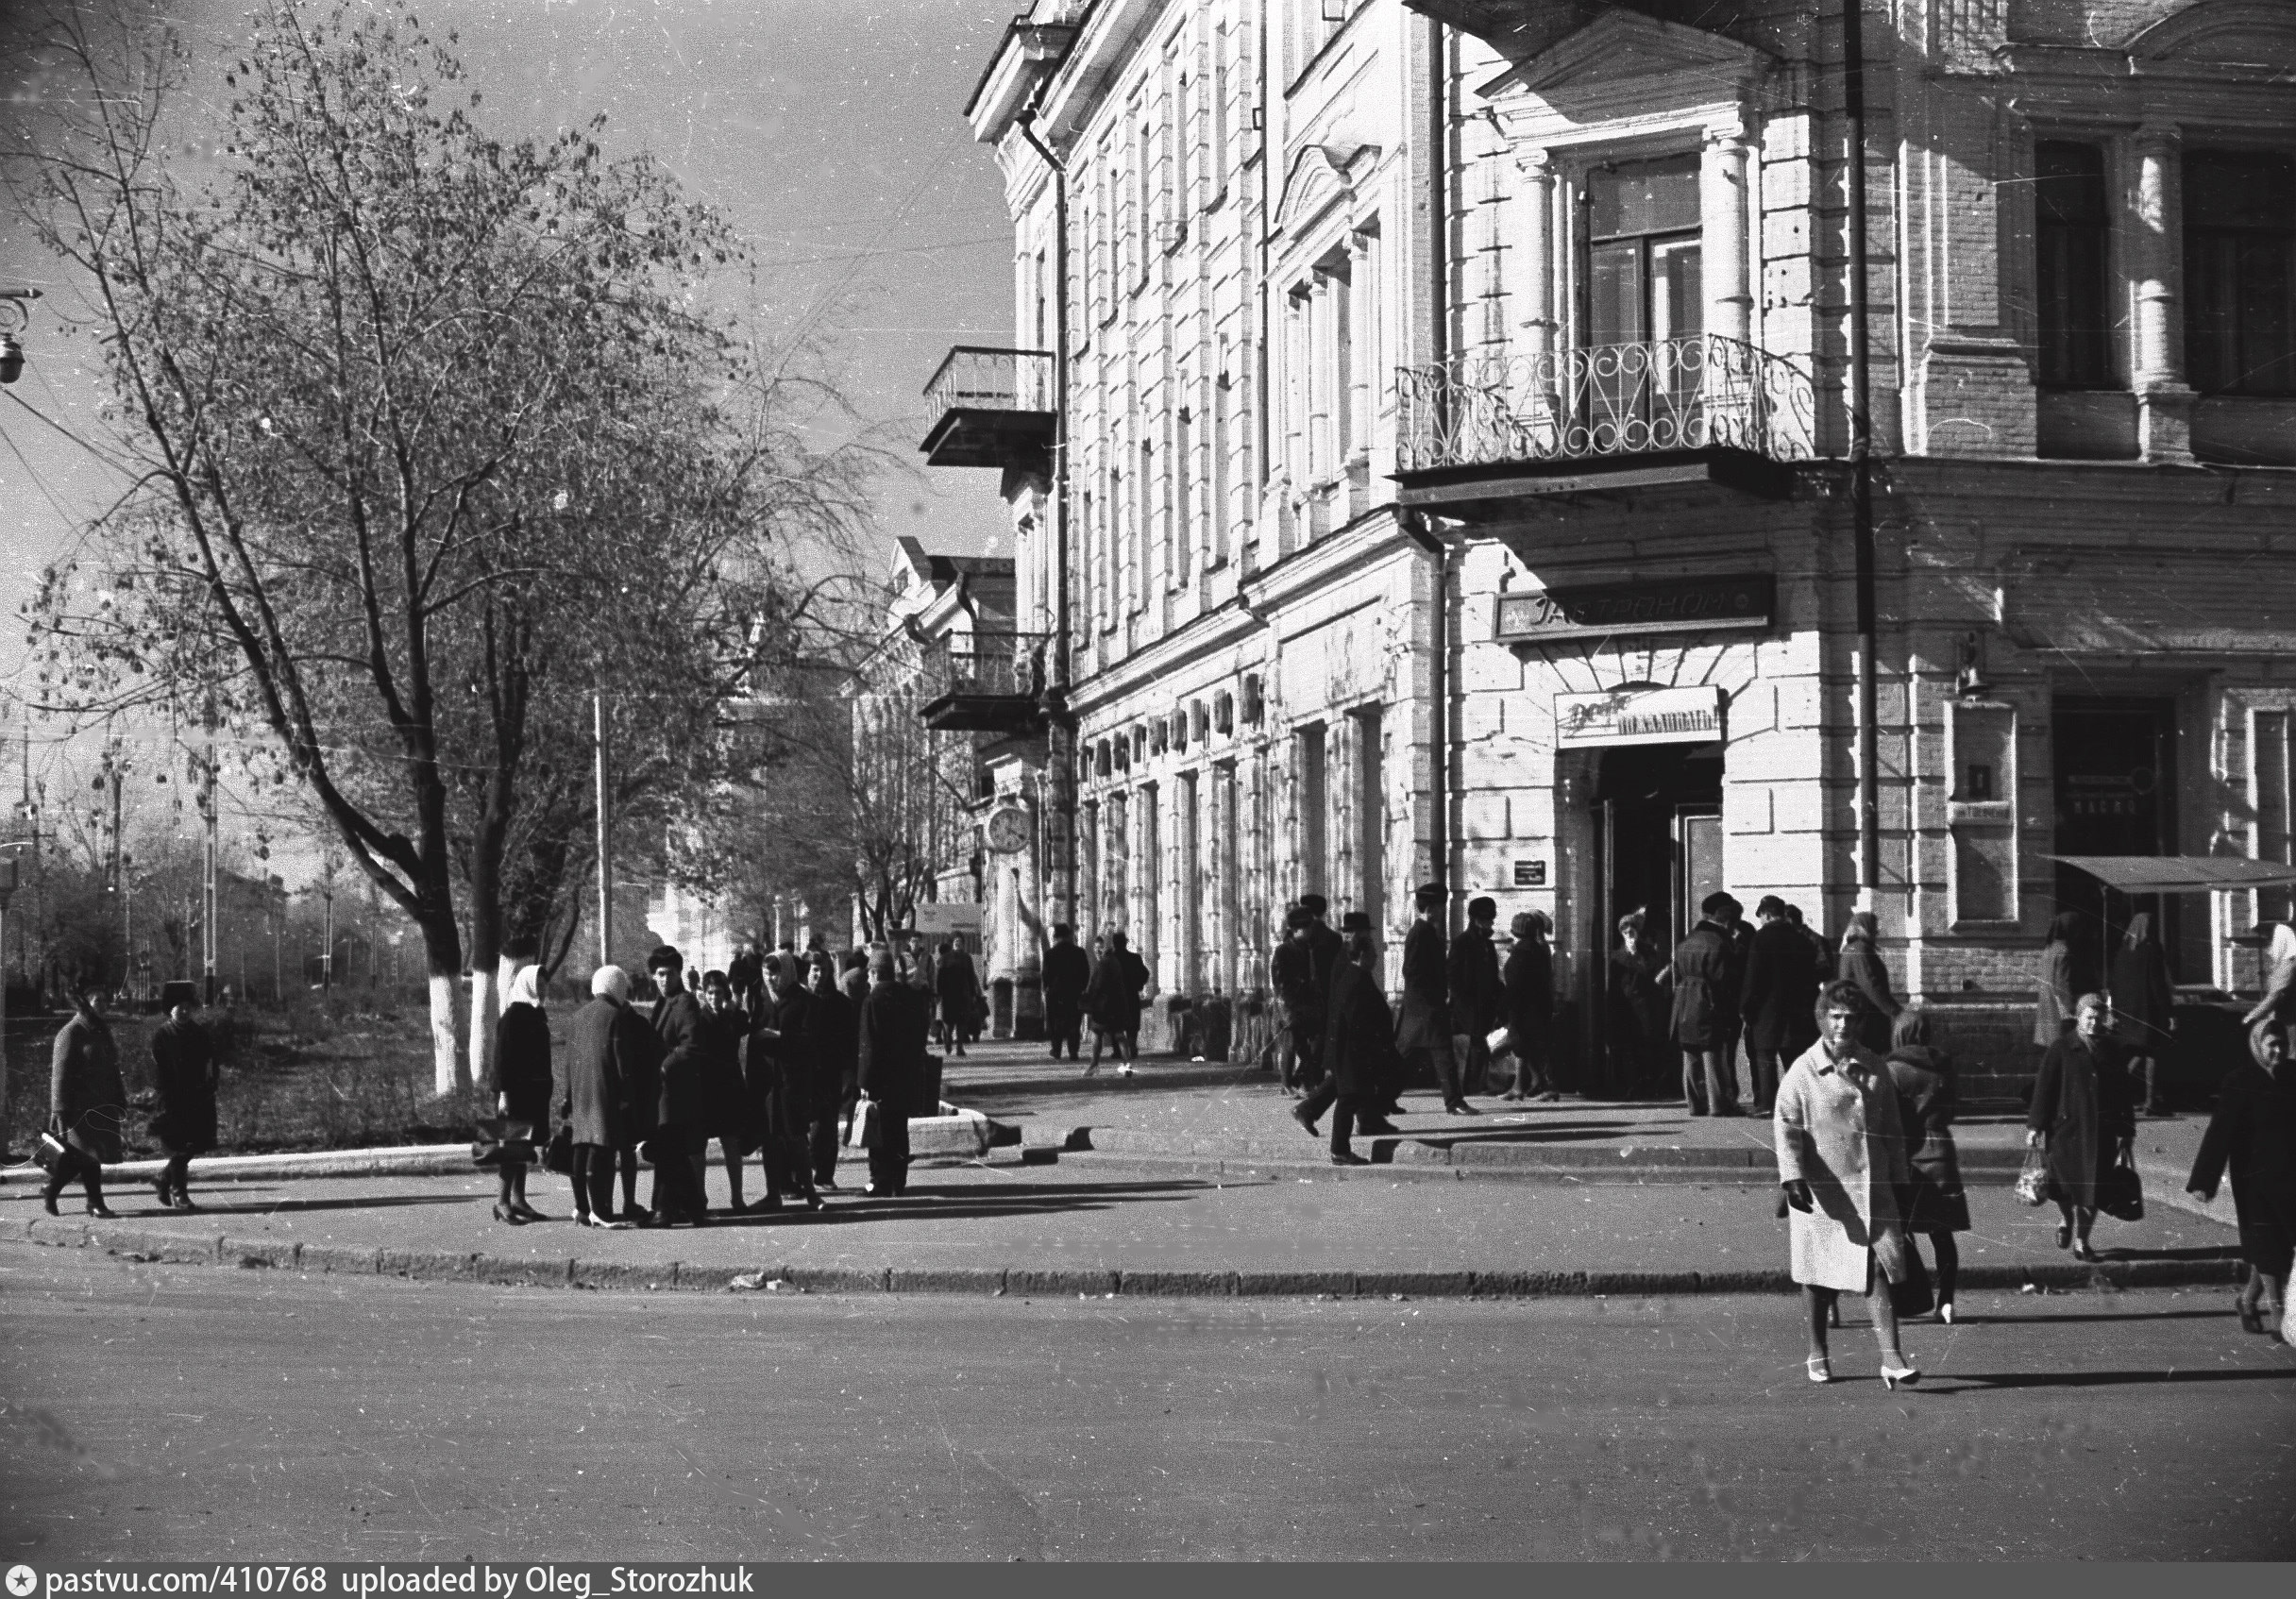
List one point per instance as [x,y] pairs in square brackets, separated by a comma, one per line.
[445,1056]
[487,985]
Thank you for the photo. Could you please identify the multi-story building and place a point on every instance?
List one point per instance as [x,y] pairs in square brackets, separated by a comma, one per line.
[1591,453]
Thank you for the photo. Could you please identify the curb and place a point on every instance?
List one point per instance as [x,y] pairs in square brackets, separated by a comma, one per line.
[144,1245]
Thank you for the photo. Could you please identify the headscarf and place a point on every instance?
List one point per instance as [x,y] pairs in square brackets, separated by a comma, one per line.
[526,986]
[1862,928]
[2140,930]
[611,983]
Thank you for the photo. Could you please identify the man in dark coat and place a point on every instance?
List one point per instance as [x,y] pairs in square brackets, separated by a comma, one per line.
[957,987]
[781,1047]
[683,1029]
[1292,974]
[1779,1000]
[1479,997]
[745,977]
[87,1100]
[1707,982]
[183,1073]
[1114,1000]
[1423,1034]
[833,1050]
[1066,974]
[1530,981]
[1360,1062]
[893,1023]
[607,1089]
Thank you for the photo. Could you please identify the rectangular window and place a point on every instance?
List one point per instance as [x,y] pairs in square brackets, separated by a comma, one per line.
[2272,808]
[1643,277]
[2240,272]
[2071,230]
[1148,878]
[1314,807]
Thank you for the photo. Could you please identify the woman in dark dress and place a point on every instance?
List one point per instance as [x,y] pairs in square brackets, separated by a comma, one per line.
[522,1083]
[183,1073]
[1922,1074]
[2143,998]
[2080,1110]
[2253,1133]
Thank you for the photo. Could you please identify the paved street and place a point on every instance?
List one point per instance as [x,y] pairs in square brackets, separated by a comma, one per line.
[163,1412]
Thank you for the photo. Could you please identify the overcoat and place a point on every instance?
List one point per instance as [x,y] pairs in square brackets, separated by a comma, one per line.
[1862,963]
[2080,1100]
[1530,981]
[1292,972]
[2253,1133]
[1358,1049]
[957,985]
[2052,995]
[1779,994]
[1325,948]
[1478,993]
[725,1101]
[1836,1129]
[1923,1078]
[609,1089]
[522,1065]
[680,1023]
[2144,997]
[792,1078]
[183,1073]
[86,1097]
[1067,971]
[1426,1020]
[831,1050]
[893,1023]
[1115,995]
[1706,980]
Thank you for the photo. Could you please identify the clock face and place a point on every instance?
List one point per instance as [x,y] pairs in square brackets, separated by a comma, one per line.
[1008,831]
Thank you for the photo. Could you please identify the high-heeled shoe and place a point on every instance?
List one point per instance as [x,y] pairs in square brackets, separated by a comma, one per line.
[504,1213]
[100,1210]
[2252,1318]
[1894,1375]
[164,1193]
[2083,1251]
[1818,1368]
[1945,1311]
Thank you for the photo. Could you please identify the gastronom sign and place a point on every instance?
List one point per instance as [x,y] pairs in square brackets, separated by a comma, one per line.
[1616,610]
[1639,716]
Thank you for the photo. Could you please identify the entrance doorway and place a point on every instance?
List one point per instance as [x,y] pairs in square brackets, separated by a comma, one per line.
[1659,836]
[2115,760]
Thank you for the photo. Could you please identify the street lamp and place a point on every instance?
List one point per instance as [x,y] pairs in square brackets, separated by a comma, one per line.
[15,319]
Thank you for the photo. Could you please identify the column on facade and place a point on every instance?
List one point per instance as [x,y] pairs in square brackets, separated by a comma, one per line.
[2164,401]
[1362,343]
[1536,282]
[1115,864]
[1723,222]
[1087,916]
[1321,379]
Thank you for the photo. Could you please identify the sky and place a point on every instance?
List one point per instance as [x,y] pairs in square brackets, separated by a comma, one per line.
[829,132]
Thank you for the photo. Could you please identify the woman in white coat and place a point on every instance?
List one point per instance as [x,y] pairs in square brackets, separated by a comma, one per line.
[1841,1159]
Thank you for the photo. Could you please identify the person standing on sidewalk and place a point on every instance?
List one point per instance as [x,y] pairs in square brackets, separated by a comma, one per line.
[1359,1047]
[1923,1078]
[2082,1114]
[1423,1032]
[605,1094]
[87,1100]
[1326,950]
[1707,981]
[1478,996]
[1841,1160]
[1066,975]
[1862,963]
[522,1084]
[682,1027]
[786,1037]
[183,1073]
[1821,953]
[832,1047]
[1529,983]
[2279,1000]
[2253,1133]
[1115,999]
[893,1038]
[2144,1003]
[730,1112]
[1779,1000]
[1292,974]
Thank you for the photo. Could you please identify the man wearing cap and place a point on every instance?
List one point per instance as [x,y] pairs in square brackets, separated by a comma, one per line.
[1423,1034]
[1292,974]
[1066,974]
[1478,996]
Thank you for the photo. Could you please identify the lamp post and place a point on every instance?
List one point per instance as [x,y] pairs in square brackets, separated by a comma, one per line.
[15,319]
[8,890]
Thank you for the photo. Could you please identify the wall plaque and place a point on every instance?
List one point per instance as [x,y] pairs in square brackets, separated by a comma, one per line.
[1530,874]
[1618,610]
[1639,716]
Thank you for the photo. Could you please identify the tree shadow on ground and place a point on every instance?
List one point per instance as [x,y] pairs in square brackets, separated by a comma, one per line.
[968,1203]
[2218,1251]
[299,1206]
[1984,1382]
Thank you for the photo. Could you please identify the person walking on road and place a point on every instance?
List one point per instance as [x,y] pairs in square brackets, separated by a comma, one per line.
[1115,999]
[1841,1160]
[1529,983]
[522,1084]
[1862,963]
[893,1037]
[2144,1004]
[1922,1076]
[2082,1114]
[1066,975]
[833,1049]
[1292,974]
[87,1100]
[1478,993]
[2252,1133]
[1358,1048]
[1779,1000]
[1423,1032]
[2054,991]
[1707,981]
[607,1091]
[183,1073]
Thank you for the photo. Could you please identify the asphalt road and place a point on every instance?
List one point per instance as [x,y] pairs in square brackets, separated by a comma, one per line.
[158,1412]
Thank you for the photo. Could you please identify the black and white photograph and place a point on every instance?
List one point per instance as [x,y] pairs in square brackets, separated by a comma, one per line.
[1321,781]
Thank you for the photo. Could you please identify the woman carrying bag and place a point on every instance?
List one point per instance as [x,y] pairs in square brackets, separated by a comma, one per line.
[2082,1118]
[87,1102]
[1841,1160]
[2253,1133]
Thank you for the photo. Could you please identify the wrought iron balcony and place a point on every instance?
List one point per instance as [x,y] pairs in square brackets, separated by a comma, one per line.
[995,409]
[986,681]
[1483,430]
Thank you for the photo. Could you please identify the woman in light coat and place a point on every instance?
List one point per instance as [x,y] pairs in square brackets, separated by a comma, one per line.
[1841,1160]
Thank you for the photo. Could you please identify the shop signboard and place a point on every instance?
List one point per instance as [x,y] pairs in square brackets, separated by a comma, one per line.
[946,917]
[1619,610]
[1639,716]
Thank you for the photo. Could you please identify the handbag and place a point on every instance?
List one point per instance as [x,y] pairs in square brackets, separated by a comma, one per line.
[2120,1193]
[48,1151]
[1498,1041]
[501,1143]
[861,1132]
[2033,1184]
[559,1157]
[1910,1292]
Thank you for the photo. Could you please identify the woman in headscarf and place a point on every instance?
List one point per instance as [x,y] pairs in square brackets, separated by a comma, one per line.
[2144,998]
[1862,963]
[2081,1112]
[522,1083]
[2253,1133]
[1922,1074]
[2054,991]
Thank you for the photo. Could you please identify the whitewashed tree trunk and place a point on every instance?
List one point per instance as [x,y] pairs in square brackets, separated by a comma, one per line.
[486,1007]
[445,1036]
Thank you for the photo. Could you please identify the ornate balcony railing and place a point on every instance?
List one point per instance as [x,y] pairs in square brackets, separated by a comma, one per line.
[1701,392]
[975,378]
[989,682]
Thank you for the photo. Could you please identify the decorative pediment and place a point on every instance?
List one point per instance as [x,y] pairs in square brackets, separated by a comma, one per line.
[1627,44]
[2232,33]
[1321,176]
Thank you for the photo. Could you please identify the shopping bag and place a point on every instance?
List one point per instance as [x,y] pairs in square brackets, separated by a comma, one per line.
[1909,1280]
[559,1156]
[47,1150]
[2033,1184]
[861,1133]
[1498,1041]
[501,1143]
[2120,1193]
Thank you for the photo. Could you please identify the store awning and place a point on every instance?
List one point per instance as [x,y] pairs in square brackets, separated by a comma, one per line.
[2181,874]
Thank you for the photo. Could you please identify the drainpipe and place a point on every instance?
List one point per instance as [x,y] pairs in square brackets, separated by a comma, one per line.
[1861,459]
[1064,784]
[1439,685]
